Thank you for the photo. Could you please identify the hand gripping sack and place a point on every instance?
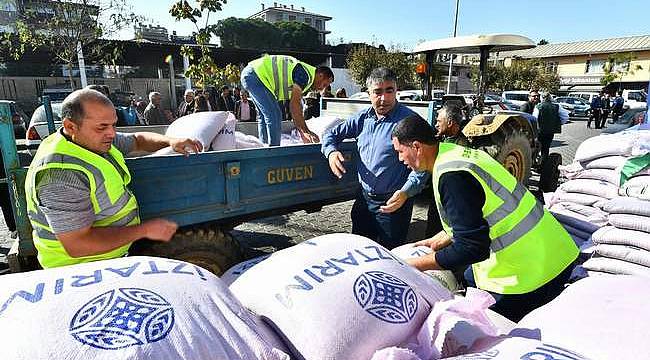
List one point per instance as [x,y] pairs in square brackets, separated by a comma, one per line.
[128,308]
[445,277]
[339,296]
[202,126]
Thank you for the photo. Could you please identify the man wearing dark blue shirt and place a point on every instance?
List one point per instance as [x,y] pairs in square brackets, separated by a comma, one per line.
[382,210]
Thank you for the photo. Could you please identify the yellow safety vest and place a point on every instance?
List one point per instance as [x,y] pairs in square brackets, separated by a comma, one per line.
[529,247]
[113,203]
[275,73]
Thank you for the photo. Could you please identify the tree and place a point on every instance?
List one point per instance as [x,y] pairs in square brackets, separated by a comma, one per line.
[617,66]
[522,74]
[204,71]
[363,59]
[68,24]
[248,33]
[543,42]
[297,35]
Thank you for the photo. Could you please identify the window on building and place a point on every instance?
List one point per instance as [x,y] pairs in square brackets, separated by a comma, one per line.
[551,66]
[308,21]
[319,24]
[595,66]
[279,17]
[292,17]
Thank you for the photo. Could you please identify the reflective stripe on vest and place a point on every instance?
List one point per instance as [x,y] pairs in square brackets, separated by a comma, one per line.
[275,72]
[528,246]
[113,204]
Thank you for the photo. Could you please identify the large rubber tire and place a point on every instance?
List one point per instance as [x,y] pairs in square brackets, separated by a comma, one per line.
[510,146]
[549,174]
[206,246]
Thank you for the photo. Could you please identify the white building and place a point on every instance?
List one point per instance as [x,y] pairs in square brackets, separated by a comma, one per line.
[280,12]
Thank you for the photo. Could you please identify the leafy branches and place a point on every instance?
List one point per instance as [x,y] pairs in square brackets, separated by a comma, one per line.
[363,59]
[617,66]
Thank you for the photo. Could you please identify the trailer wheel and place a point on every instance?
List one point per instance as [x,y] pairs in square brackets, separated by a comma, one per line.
[549,175]
[205,246]
[515,155]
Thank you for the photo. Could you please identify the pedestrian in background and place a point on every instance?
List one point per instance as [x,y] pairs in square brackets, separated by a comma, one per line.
[201,104]
[549,123]
[225,102]
[617,108]
[327,92]
[154,113]
[245,109]
[341,93]
[533,100]
[596,109]
[607,107]
[186,106]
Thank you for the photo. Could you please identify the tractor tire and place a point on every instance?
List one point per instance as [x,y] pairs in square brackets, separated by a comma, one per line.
[514,153]
[549,174]
[205,246]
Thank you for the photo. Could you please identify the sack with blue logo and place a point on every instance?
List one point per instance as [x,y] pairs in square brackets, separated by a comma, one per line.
[128,308]
[232,274]
[445,277]
[339,296]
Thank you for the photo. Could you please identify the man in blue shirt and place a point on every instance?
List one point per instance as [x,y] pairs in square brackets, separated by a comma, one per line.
[382,210]
[596,109]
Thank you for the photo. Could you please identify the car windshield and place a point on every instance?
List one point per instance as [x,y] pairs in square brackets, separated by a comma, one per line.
[630,115]
[517,97]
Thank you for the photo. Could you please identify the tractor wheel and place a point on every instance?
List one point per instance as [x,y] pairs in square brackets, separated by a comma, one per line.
[515,154]
[205,246]
[549,174]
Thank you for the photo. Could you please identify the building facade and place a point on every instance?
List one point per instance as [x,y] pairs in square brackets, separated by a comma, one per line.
[280,12]
[582,65]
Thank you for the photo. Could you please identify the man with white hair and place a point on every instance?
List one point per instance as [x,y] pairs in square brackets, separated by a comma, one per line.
[154,114]
[186,106]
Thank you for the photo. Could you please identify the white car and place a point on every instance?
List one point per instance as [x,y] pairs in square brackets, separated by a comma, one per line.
[37,129]
[517,97]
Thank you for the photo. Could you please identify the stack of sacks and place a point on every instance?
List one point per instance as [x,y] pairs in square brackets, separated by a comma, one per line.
[215,130]
[319,126]
[339,296]
[129,308]
[445,277]
[593,179]
[624,246]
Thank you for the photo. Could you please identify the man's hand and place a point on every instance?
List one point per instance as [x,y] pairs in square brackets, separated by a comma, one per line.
[336,160]
[186,146]
[308,137]
[426,262]
[437,242]
[395,202]
[160,229]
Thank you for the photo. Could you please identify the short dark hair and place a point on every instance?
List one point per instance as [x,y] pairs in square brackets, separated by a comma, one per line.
[72,106]
[454,113]
[414,128]
[225,87]
[326,71]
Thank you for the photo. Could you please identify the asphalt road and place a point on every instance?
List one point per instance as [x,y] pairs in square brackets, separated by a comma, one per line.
[277,232]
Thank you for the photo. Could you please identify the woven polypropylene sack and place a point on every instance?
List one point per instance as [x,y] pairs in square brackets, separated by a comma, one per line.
[339,296]
[637,186]
[628,205]
[445,277]
[128,308]
[236,271]
[615,266]
[599,188]
[202,126]
[630,222]
[615,236]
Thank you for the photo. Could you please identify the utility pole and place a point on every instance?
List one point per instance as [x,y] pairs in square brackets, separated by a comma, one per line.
[451,56]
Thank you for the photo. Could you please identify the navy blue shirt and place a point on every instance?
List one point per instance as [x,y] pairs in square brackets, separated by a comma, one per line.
[380,170]
[462,198]
[300,77]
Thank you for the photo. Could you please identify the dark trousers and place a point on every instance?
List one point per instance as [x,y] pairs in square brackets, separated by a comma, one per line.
[545,141]
[7,209]
[515,307]
[595,116]
[603,118]
[389,230]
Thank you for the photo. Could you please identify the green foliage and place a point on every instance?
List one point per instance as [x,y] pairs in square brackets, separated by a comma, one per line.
[522,74]
[363,59]
[617,66]
[203,70]
[543,42]
[259,34]
[297,35]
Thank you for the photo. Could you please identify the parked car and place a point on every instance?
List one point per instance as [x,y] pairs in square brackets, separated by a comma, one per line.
[575,106]
[635,99]
[586,96]
[516,97]
[629,118]
[18,118]
[37,129]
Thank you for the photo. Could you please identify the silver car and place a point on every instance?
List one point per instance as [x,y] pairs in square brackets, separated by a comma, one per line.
[577,107]
[37,129]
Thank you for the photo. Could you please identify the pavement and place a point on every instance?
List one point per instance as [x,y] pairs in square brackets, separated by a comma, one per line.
[278,232]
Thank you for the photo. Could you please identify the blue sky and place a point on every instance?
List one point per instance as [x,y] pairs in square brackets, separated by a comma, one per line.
[406,23]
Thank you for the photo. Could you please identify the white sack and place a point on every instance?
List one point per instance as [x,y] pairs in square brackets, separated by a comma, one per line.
[625,253]
[628,205]
[591,218]
[599,188]
[202,126]
[615,236]
[339,296]
[509,348]
[615,266]
[597,317]
[225,137]
[608,175]
[322,124]
[445,277]
[247,141]
[623,144]
[637,186]
[571,197]
[236,271]
[128,308]
[292,138]
[630,222]
[608,162]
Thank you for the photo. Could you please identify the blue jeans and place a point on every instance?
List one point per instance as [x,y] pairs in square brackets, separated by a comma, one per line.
[389,230]
[270,124]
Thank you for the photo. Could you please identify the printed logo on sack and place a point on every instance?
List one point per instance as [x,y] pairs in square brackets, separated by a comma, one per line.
[386,297]
[121,318]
